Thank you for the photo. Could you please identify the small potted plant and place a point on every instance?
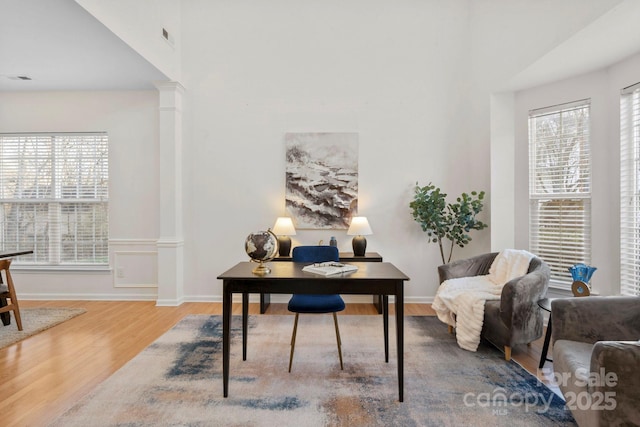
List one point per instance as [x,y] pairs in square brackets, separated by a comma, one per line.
[442,220]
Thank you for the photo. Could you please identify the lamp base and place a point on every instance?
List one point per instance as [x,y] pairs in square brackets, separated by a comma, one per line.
[284,245]
[359,244]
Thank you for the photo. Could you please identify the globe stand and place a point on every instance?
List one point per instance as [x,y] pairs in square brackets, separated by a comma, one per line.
[261,247]
[261,269]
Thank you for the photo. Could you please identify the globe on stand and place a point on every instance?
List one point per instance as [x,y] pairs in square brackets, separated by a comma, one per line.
[261,246]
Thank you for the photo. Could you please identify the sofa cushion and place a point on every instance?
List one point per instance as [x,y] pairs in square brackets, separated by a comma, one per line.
[571,361]
[573,357]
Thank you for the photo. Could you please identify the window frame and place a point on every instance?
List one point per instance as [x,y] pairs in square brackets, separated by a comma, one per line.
[630,190]
[560,190]
[67,176]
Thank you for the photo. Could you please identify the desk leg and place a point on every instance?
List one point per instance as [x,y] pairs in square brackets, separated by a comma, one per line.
[245,320]
[265,300]
[385,321]
[400,338]
[545,347]
[377,303]
[226,334]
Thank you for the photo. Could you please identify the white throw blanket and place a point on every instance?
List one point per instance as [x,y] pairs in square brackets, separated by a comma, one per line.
[460,302]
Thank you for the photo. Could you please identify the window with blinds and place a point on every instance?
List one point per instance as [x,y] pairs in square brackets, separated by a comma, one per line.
[54,197]
[630,190]
[560,188]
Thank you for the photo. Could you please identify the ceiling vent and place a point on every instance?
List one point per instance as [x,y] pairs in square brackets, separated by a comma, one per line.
[168,37]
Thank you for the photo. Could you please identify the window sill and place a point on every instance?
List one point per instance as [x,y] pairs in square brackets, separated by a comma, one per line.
[44,268]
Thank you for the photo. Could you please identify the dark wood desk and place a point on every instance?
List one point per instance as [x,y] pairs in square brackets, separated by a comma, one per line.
[6,317]
[265,299]
[372,278]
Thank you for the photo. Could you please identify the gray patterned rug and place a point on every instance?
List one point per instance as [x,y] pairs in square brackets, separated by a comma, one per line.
[35,320]
[178,380]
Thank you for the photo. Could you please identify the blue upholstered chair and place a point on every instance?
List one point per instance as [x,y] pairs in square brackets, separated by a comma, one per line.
[304,303]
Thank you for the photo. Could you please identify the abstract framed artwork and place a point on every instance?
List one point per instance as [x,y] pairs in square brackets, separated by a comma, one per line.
[321,179]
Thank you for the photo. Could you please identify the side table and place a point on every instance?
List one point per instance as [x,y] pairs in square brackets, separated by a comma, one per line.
[545,304]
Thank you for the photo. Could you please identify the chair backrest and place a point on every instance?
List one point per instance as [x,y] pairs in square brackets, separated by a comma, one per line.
[315,254]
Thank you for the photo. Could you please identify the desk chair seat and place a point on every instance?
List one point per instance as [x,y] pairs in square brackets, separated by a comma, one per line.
[8,292]
[316,304]
[319,304]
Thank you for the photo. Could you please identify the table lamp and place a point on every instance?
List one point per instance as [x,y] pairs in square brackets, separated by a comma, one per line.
[359,227]
[283,229]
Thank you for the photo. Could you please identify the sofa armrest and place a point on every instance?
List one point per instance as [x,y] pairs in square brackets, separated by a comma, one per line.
[619,357]
[476,266]
[591,319]
[615,365]
[519,299]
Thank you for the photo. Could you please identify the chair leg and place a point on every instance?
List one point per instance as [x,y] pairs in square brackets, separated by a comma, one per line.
[293,340]
[14,300]
[335,321]
[507,353]
[5,315]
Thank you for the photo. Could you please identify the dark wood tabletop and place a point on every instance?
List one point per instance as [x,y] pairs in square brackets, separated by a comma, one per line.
[9,254]
[344,257]
[293,271]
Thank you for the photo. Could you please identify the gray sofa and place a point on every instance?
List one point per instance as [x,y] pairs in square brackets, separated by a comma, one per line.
[596,358]
[515,318]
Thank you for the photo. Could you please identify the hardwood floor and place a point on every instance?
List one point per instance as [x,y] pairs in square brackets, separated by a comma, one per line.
[42,376]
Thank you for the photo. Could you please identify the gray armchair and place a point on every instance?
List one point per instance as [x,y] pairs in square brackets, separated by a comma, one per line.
[596,355]
[515,318]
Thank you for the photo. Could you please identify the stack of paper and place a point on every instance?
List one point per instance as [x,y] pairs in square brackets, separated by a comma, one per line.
[329,268]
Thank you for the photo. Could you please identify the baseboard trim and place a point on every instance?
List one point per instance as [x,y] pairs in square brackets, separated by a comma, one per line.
[87,297]
[253,298]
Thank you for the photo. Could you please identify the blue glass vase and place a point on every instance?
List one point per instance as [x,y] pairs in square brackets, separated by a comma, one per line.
[582,272]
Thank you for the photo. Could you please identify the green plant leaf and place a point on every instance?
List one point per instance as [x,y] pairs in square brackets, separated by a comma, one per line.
[442,220]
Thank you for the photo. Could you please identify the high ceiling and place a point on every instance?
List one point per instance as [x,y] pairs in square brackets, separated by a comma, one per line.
[60,46]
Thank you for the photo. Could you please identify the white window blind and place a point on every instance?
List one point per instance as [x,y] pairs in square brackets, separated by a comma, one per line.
[630,190]
[560,187]
[54,197]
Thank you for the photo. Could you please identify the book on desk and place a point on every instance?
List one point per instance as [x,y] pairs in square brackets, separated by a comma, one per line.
[329,268]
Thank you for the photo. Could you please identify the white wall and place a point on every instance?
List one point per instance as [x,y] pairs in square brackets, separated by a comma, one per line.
[131,120]
[603,88]
[389,71]
[140,23]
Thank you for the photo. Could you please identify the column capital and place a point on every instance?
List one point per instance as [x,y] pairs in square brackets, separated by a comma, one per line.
[170,95]
[170,86]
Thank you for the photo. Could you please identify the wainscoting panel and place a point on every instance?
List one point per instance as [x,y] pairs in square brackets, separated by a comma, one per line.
[135,264]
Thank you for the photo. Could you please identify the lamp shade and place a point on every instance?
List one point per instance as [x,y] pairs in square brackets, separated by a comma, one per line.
[284,227]
[359,226]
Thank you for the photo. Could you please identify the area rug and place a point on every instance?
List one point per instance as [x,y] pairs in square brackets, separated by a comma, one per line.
[178,380]
[35,320]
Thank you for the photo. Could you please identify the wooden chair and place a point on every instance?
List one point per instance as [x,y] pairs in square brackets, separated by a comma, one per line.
[303,303]
[7,291]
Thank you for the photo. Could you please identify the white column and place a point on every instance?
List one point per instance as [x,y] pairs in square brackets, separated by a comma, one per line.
[171,241]
[502,171]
